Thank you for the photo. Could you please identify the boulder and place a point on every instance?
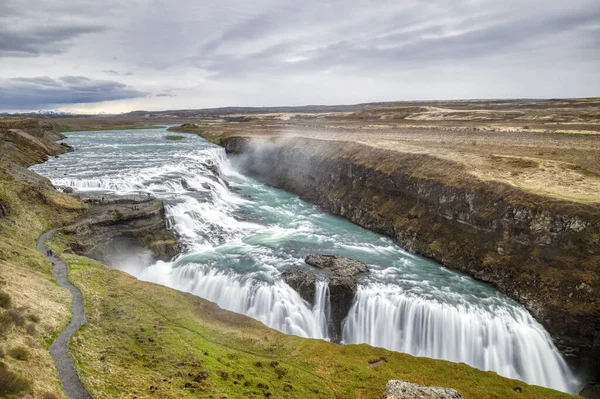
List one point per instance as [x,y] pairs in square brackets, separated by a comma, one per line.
[67,147]
[340,266]
[302,281]
[398,389]
[341,273]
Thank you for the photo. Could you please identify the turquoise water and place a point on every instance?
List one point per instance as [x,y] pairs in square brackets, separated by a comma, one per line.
[238,236]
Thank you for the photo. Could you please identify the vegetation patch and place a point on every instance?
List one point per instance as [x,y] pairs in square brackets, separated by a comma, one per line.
[5,300]
[174,138]
[30,206]
[11,383]
[19,353]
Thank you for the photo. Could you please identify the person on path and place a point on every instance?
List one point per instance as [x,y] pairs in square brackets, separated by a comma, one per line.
[50,253]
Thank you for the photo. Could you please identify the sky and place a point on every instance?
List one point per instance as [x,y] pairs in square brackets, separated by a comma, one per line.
[90,56]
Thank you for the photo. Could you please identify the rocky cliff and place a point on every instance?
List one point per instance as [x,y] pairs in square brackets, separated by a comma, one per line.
[119,230]
[543,252]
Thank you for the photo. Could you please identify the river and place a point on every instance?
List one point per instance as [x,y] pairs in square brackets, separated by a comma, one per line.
[238,235]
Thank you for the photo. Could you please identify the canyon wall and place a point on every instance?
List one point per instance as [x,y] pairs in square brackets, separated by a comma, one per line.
[545,253]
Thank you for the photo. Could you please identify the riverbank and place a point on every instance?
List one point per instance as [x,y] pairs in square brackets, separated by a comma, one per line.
[539,246]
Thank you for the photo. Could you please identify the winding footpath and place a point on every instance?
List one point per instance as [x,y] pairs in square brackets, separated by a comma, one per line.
[59,349]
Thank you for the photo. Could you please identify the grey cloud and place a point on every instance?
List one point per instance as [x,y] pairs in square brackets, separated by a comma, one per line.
[30,93]
[214,50]
[116,73]
[40,40]
[478,36]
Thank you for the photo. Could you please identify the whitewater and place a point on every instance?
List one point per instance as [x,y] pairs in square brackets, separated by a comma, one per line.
[238,235]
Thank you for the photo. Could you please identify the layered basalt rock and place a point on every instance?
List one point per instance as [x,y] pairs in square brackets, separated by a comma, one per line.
[541,251]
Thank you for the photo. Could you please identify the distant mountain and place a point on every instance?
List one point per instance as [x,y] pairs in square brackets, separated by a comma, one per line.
[213,112]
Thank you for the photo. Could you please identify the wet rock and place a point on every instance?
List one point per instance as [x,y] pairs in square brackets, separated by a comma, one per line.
[186,185]
[339,266]
[301,280]
[342,286]
[68,190]
[398,389]
[341,273]
[67,147]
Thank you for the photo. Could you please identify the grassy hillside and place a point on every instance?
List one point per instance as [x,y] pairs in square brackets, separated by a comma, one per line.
[33,308]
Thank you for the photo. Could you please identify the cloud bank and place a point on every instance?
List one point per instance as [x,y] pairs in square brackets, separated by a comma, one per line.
[285,52]
[29,93]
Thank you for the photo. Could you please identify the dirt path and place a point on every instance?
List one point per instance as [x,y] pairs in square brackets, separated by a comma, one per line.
[60,347]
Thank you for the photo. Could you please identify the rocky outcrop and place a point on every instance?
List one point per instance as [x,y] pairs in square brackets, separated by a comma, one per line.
[398,389]
[341,273]
[302,281]
[339,266]
[543,252]
[119,230]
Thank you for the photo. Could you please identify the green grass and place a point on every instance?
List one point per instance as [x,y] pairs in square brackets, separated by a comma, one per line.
[142,338]
[11,383]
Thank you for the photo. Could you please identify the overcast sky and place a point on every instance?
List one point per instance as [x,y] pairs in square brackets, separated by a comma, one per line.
[123,55]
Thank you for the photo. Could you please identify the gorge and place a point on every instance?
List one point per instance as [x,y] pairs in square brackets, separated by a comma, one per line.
[239,235]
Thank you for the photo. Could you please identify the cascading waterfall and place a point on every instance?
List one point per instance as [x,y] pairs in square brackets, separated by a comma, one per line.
[506,340]
[271,302]
[238,235]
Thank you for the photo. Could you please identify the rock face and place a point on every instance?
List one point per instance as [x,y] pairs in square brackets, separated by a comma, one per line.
[117,231]
[397,389]
[341,273]
[543,252]
[301,280]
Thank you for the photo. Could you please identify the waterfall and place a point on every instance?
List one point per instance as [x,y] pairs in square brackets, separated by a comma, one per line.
[322,307]
[237,240]
[272,302]
[503,339]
